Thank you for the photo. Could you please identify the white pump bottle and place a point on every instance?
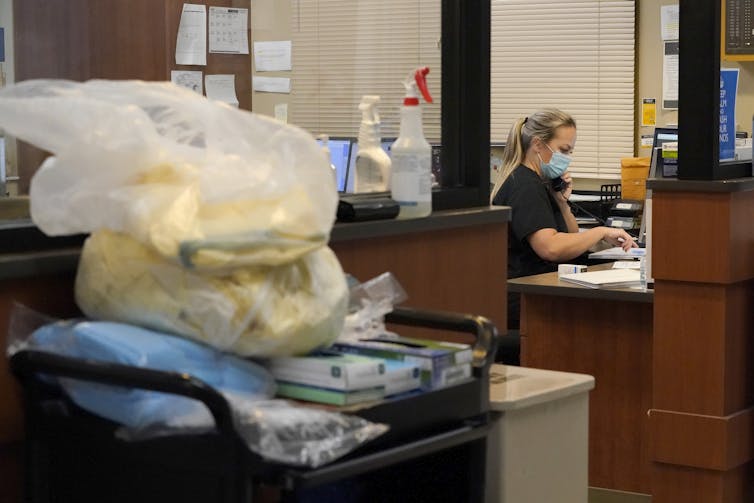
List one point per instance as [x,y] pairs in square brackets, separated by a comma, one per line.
[411,185]
[372,172]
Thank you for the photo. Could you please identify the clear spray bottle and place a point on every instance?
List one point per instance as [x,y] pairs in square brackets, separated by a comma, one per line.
[372,163]
[411,184]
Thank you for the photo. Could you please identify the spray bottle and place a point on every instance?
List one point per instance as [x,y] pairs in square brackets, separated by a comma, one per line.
[372,163]
[411,184]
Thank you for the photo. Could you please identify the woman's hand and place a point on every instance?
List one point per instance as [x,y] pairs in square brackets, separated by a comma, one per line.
[619,237]
[565,194]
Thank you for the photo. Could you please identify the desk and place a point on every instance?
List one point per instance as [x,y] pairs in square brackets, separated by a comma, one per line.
[608,334]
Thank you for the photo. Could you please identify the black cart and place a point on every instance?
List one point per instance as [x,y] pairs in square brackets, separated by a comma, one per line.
[434,450]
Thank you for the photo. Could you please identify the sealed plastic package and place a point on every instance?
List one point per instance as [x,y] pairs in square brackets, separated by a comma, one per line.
[277,430]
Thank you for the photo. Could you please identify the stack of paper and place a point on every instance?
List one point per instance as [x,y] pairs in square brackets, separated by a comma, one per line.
[610,278]
[618,253]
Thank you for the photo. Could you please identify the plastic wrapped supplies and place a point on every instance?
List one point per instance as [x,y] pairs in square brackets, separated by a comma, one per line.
[253,311]
[277,430]
[205,220]
[146,413]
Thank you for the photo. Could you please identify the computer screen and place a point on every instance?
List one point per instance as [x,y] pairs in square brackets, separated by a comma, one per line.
[386,144]
[667,166]
[340,151]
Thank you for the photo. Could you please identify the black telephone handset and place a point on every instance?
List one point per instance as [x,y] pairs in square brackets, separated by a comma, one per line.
[558,184]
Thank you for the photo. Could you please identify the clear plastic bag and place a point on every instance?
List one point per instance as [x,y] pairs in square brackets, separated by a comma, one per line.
[369,302]
[301,436]
[205,220]
[199,181]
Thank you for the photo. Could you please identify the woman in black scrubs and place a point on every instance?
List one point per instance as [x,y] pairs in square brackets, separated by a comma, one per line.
[534,181]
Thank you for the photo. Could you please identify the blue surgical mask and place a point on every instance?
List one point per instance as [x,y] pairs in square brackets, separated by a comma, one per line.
[558,164]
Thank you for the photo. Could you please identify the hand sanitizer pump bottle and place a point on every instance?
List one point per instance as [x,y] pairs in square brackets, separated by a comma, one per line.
[372,173]
[411,184]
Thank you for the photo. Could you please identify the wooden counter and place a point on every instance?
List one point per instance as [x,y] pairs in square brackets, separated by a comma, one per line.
[607,334]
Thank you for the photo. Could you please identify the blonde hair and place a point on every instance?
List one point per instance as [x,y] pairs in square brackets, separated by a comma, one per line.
[541,124]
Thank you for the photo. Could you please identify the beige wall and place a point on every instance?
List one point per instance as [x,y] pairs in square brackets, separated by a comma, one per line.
[271,21]
[649,67]
[649,73]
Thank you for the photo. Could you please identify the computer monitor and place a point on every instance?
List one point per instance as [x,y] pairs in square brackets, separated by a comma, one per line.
[655,171]
[340,151]
[665,168]
[386,144]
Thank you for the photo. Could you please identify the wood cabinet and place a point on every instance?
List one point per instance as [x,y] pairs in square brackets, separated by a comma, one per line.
[702,416]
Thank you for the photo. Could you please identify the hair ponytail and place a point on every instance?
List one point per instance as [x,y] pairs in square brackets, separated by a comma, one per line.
[541,124]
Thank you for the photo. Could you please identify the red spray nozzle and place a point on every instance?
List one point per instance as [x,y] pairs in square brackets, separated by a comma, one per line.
[421,80]
[417,79]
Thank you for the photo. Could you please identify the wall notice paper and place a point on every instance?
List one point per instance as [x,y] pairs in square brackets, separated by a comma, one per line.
[728,91]
[670,76]
[221,88]
[272,84]
[281,112]
[189,79]
[647,140]
[191,42]
[669,22]
[648,112]
[228,30]
[272,56]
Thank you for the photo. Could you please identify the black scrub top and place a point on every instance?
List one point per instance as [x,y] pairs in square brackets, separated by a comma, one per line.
[532,208]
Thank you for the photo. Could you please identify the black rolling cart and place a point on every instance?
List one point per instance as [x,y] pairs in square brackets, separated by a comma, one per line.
[434,451]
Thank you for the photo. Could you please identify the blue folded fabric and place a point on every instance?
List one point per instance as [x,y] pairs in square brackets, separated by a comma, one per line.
[120,343]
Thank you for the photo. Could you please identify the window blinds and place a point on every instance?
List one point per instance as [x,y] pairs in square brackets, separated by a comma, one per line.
[343,49]
[574,55]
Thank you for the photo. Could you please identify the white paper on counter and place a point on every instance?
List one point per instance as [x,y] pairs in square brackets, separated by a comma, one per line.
[627,264]
[272,56]
[191,42]
[228,30]
[221,88]
[271,84]
[189,79]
